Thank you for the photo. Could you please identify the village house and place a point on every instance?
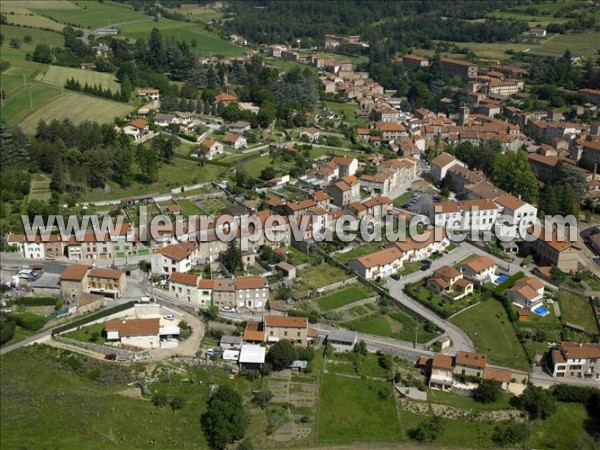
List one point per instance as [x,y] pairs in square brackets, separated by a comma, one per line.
[382,263]
[515,212]
[148,94]
[310,135]
[537,32]
[346,166]
[440,165]
[78,279]
[460,68]
[556,252]
[501,376]
[418,250]
[449,281]
[211,148]
[225,99]
[174,258]
[239,127]
[142,333]
[527,292]
[441,369]
[137,129]
[479,268]
[414,61]
[293,329]
[477,215]
[235,141]
[251,292]
[344,191]
[576,360]
[470,364]
[184,286]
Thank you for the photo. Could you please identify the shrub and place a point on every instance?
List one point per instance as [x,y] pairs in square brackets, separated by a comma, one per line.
[29,321]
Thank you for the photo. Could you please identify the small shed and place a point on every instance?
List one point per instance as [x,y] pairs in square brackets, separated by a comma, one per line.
[231,342]
[288,270]
[252,356]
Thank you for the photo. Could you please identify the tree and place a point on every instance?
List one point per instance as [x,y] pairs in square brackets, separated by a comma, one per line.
[261,398]
[177,403]
[42,54]
[232,257]
[514,174]
[57,183]
[538,402]
[506,433]
[225,420]
[361,348]
[147,159]
[268,173]
[427,431]
[7,329]
[281,355]
[159,399]
[488,391]
[27,39]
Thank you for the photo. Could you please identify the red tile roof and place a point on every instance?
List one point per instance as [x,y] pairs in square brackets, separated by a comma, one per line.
[286,322]
[134,327]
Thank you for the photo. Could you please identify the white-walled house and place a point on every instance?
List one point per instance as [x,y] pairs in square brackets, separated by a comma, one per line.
[527,292]
[418,250]
[383,263]
[480,268]
[212,148]
[440,165]
[514,211]
[234,140]
[479,215]
[174,258]
[184,286]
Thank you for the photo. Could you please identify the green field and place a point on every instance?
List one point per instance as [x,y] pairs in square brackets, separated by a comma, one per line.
[577,309]
[76,107]
[179,172]
[569,427]
[465,402]
[343,297]
[50,401]
[208,44]
[552,45]
[322,275]
[492,333]
[352,410]
[254,166]
[396,324]
[49,38]
[84,334]
[192,11]
[88,14]
[57,76]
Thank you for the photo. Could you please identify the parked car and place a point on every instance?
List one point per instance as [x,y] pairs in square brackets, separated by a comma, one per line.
[227,309]
[25,274]
[169,317]
[395,276]
[426,265]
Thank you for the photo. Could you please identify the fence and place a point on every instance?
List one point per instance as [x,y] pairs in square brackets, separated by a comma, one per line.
[92,317]
[121,354]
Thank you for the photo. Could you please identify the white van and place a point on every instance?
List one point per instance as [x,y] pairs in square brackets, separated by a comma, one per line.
[145,299]
[25,274]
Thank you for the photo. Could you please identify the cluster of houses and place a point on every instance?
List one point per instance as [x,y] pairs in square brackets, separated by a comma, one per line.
[484,203]
[446,371]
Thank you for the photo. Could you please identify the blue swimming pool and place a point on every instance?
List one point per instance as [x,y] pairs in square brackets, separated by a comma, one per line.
[501,278]
[541,311]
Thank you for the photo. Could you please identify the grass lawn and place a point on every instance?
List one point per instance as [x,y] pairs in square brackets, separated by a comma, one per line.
[322,275]
[577,309]
[84,334]
[442,305]
[180,172]
[410,267]
[461,433]
[45,403]
[88,14]
[255,166]
[492,333]
[57,76]
[357,365]
[297,257]
[77,108]
[464,402]
[355,292]
[399,201]
[396,324]
[362,250]
[352,410]
[196,12]
[50,38]
[187,207]
[20,334]
[566,428]
[316,152]
[207,43]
